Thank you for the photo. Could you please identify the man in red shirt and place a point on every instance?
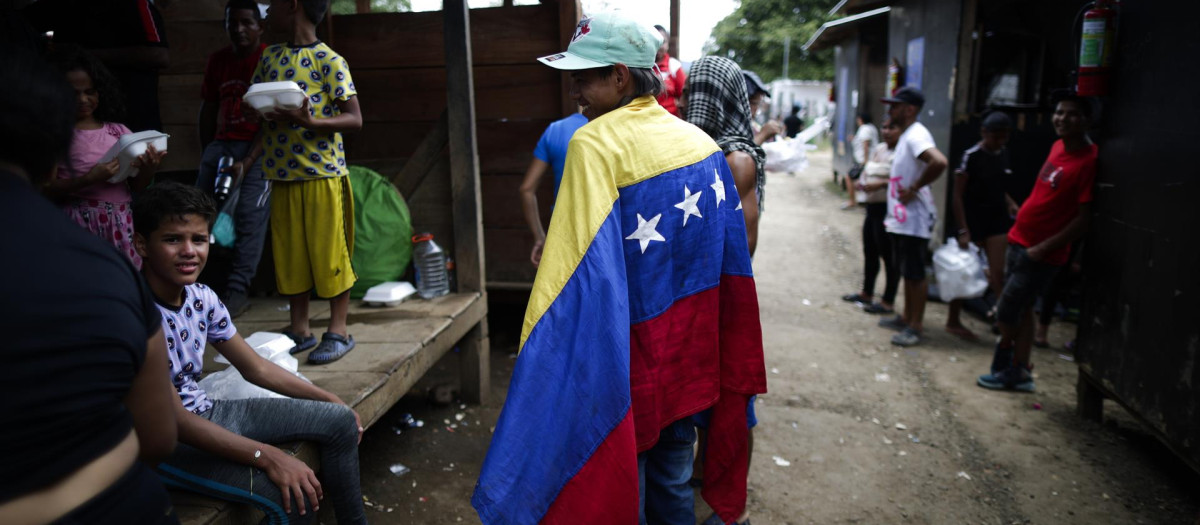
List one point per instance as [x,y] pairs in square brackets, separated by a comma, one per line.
[672,74]
[1054,215]
[227,131]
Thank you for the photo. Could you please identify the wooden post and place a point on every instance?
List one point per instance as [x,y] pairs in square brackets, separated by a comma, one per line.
[568,17]
[362,6]
[328,23]
[464,184]
[674,44]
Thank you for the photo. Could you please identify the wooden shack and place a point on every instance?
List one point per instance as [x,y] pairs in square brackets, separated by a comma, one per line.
[399,66]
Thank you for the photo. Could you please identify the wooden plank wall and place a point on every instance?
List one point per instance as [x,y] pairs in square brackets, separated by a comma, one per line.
[398,64]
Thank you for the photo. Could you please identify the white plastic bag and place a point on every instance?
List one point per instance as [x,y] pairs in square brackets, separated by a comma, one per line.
[229,383]
[959,272]
[786,155]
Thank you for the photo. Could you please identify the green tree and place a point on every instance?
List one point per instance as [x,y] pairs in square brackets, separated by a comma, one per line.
[754,34]
[349,7]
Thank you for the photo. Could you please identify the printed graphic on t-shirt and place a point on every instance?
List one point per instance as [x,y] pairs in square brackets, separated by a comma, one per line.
[1050,176]
[200,320]
[293,152]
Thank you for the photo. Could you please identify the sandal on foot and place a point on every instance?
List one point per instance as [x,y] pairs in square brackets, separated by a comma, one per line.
[962,333]
[877,308]
[332,348]
[856,298]
[305,342]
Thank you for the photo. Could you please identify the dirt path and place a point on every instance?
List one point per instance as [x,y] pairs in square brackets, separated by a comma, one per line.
[872,433]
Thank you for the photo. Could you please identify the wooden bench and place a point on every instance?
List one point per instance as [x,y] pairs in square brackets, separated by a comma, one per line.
[395,346]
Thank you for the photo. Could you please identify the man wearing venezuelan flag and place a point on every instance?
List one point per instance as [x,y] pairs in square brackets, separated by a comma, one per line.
[643,313]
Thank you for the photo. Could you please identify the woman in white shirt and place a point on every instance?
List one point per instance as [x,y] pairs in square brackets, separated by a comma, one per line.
[866,138]
[876,243]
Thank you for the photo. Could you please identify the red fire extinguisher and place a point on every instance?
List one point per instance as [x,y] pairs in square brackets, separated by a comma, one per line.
[1095,49]
[895,70]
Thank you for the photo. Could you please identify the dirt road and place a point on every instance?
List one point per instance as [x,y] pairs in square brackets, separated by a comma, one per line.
[853,430]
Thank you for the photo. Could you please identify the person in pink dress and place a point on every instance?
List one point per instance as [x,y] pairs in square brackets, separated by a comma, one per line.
[81,186]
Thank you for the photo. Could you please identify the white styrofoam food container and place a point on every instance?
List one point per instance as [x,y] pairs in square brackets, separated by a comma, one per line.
[266,344]
[268,96]
[129,147]
[388,294]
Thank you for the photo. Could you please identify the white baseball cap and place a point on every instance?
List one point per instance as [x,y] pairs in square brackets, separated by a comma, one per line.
[606,39]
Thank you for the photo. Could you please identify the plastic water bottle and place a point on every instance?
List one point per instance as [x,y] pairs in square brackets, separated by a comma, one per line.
[430,263]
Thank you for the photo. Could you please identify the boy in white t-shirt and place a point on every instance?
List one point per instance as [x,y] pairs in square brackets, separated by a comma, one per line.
[911,213]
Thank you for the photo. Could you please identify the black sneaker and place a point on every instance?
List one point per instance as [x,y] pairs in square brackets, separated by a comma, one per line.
[894,323]
[237,303]
[1001,358]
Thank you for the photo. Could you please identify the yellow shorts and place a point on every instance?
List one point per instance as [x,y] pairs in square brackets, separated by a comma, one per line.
[312,235]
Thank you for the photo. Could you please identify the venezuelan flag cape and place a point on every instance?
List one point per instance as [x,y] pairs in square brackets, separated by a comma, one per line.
[643,312]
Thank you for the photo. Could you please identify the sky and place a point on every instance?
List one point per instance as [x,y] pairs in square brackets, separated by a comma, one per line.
[695,24]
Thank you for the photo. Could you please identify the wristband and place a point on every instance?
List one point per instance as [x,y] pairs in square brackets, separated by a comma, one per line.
[962,231]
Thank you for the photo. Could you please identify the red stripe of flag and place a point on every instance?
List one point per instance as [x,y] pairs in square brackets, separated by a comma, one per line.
[148,25]
[673,364]
[605,490]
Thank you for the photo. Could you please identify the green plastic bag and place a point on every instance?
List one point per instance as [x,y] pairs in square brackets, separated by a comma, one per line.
[382,231]
[223,231]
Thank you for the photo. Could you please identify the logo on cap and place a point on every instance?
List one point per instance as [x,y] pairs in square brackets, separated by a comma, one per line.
[552,58]
[583,28]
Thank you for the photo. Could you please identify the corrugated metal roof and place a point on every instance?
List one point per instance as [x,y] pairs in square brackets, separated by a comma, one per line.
[826,34]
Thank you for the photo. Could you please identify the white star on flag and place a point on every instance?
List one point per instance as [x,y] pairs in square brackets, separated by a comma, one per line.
[688,205]
[718,187]
[645,232]
[739,205]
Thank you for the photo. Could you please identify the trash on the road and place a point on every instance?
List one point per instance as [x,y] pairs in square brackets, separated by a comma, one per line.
[953,359]
[806,302]
[781,462]
[887,441]
[284,308]
[462,407]
[1037,406]
[882,377]
[902,453]
[422,499]
[405,422]
[1066,357]
[964,475]
[875,420]
[812,365]
[774,370]
[900,426]
[459,416]
[389,509]
[795,424]
[914,439]
[399,469]
[446,422]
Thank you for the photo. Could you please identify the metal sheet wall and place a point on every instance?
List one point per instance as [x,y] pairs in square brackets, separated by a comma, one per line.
[1139,334]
